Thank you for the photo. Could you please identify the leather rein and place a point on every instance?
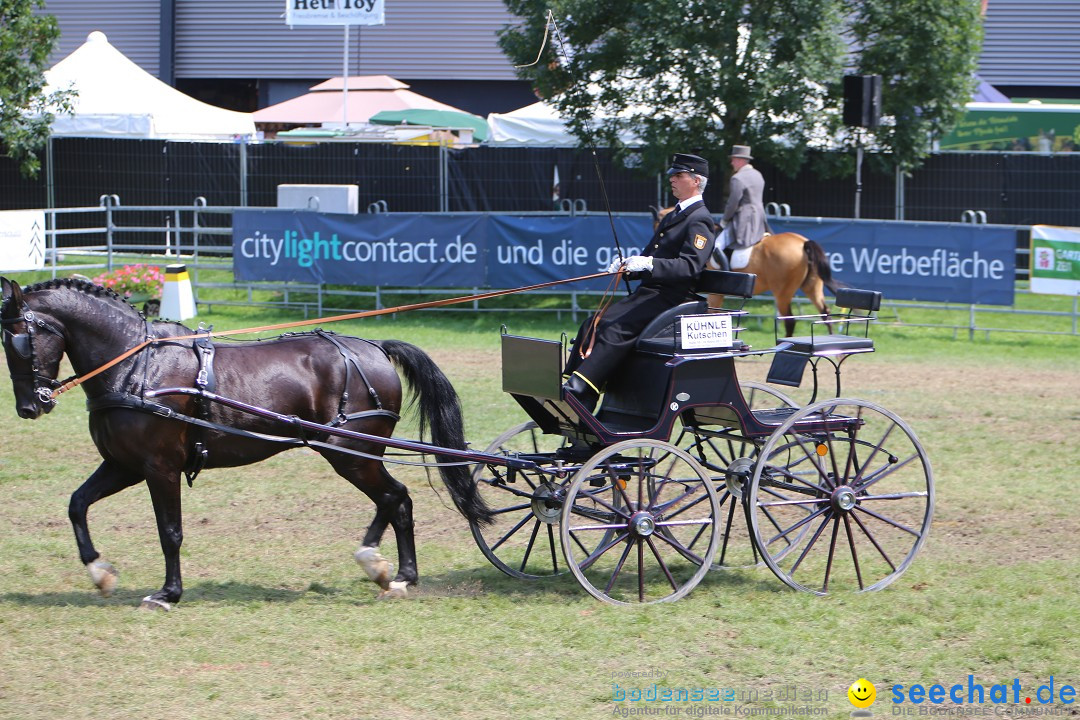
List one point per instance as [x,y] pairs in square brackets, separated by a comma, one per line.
[62,387]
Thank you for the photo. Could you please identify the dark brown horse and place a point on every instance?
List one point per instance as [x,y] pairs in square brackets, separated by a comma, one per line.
[332,380]
[784,264]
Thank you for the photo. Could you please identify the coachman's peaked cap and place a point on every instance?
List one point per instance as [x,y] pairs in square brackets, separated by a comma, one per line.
[689,163]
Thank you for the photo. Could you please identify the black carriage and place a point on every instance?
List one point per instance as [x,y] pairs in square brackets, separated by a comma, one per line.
[684,468]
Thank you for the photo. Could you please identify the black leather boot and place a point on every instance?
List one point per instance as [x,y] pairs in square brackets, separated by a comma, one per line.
[583,392]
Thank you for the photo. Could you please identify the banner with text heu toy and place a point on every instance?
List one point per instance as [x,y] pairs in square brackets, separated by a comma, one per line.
[335,12]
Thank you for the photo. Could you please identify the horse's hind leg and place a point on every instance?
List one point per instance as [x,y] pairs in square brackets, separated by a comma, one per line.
[105,481]
[814,289]
[393,507]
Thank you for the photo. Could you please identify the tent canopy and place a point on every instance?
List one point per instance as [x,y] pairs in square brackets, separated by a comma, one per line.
[367,95]
[434,118]
[536,125]
[117,98]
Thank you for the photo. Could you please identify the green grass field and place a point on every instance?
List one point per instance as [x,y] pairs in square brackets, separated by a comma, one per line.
[277,622]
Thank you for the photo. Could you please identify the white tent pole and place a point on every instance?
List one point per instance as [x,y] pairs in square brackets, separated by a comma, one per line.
[345,81]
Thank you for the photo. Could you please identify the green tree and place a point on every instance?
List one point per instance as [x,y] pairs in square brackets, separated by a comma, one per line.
[709,74]
[926,52]
[26,41]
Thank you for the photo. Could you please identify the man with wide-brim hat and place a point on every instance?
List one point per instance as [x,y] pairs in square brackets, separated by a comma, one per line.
[668,267]
[744,214]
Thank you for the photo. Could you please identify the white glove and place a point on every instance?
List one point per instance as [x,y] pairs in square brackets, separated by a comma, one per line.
[638,263]
[615,265]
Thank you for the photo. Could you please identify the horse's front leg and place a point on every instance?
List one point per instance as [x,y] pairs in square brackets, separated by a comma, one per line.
[393,507]
[107,480]
[165,494]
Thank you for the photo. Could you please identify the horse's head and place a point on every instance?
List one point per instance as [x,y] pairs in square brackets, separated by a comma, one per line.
[34,346]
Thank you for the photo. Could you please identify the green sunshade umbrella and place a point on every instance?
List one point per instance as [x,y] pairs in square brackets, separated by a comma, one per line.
[434,118]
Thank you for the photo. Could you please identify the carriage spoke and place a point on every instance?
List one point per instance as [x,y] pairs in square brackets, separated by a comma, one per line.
[512,508]
[885,472]
[832,553]
[854,552]
[663,566]
[797,525]
[618,568]
[882,518]
[873,540]
[641,571]
[529,547]
[809,545]
[551,545]
[596,554]
[512,531]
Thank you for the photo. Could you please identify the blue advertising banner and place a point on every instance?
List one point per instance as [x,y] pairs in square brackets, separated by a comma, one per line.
[938,262]
[496,251]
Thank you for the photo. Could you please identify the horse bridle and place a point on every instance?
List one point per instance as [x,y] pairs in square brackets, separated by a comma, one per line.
[23,346]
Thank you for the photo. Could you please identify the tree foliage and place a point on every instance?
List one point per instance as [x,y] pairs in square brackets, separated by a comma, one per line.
[926,52]
[26,41]
[708,74]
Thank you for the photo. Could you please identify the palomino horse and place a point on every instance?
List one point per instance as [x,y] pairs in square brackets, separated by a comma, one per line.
[785,263]
[319,377]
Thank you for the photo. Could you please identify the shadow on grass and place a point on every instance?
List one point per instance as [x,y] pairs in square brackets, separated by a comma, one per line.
[490,581]
[212,592]
[471,582]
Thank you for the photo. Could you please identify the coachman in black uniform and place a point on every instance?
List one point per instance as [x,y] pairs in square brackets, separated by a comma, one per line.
[669,269]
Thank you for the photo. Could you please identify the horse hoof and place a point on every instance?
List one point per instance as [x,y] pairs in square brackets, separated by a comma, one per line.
[378,568]
[398,590]
[153,604]
[104,576]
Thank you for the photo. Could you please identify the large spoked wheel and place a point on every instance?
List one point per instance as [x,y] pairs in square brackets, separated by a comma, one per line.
[523,541]
[640,523]
[847,484]
[728,457]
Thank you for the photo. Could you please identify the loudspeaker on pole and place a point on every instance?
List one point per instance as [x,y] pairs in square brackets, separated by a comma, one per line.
[177,300]
[862,100]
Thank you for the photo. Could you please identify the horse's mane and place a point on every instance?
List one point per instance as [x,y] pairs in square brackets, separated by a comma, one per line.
[83,286]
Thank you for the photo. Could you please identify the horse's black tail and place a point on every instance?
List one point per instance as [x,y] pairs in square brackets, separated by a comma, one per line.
[815,256]
[440,409]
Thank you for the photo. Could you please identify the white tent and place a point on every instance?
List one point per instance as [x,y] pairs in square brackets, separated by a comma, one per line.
[117,98]
[536,125]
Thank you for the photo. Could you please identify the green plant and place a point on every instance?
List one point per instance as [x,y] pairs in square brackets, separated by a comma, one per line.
[135,282]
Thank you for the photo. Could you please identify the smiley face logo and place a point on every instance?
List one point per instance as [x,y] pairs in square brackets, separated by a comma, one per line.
[862,693]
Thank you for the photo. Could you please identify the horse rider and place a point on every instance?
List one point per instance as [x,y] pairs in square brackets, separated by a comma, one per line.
[668,268]
[744,219]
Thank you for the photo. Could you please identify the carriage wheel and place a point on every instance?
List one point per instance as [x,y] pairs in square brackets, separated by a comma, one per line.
[523,540]
[861,496]
[632,514]
[729,460]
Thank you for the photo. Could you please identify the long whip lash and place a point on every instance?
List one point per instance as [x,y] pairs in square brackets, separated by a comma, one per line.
[75,382]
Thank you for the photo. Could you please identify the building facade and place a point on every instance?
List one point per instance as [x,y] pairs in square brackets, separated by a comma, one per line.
[240,53]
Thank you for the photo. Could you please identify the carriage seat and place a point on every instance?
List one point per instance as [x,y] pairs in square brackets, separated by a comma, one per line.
[660,335]
[834,339]
[861,305]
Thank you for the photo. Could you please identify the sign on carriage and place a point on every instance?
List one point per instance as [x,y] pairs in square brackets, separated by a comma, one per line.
[22,240]
[1055,260]
[335,12]
[705,331]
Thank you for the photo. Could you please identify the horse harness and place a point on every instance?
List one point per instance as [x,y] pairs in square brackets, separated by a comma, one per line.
[23,346]
[206,383]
